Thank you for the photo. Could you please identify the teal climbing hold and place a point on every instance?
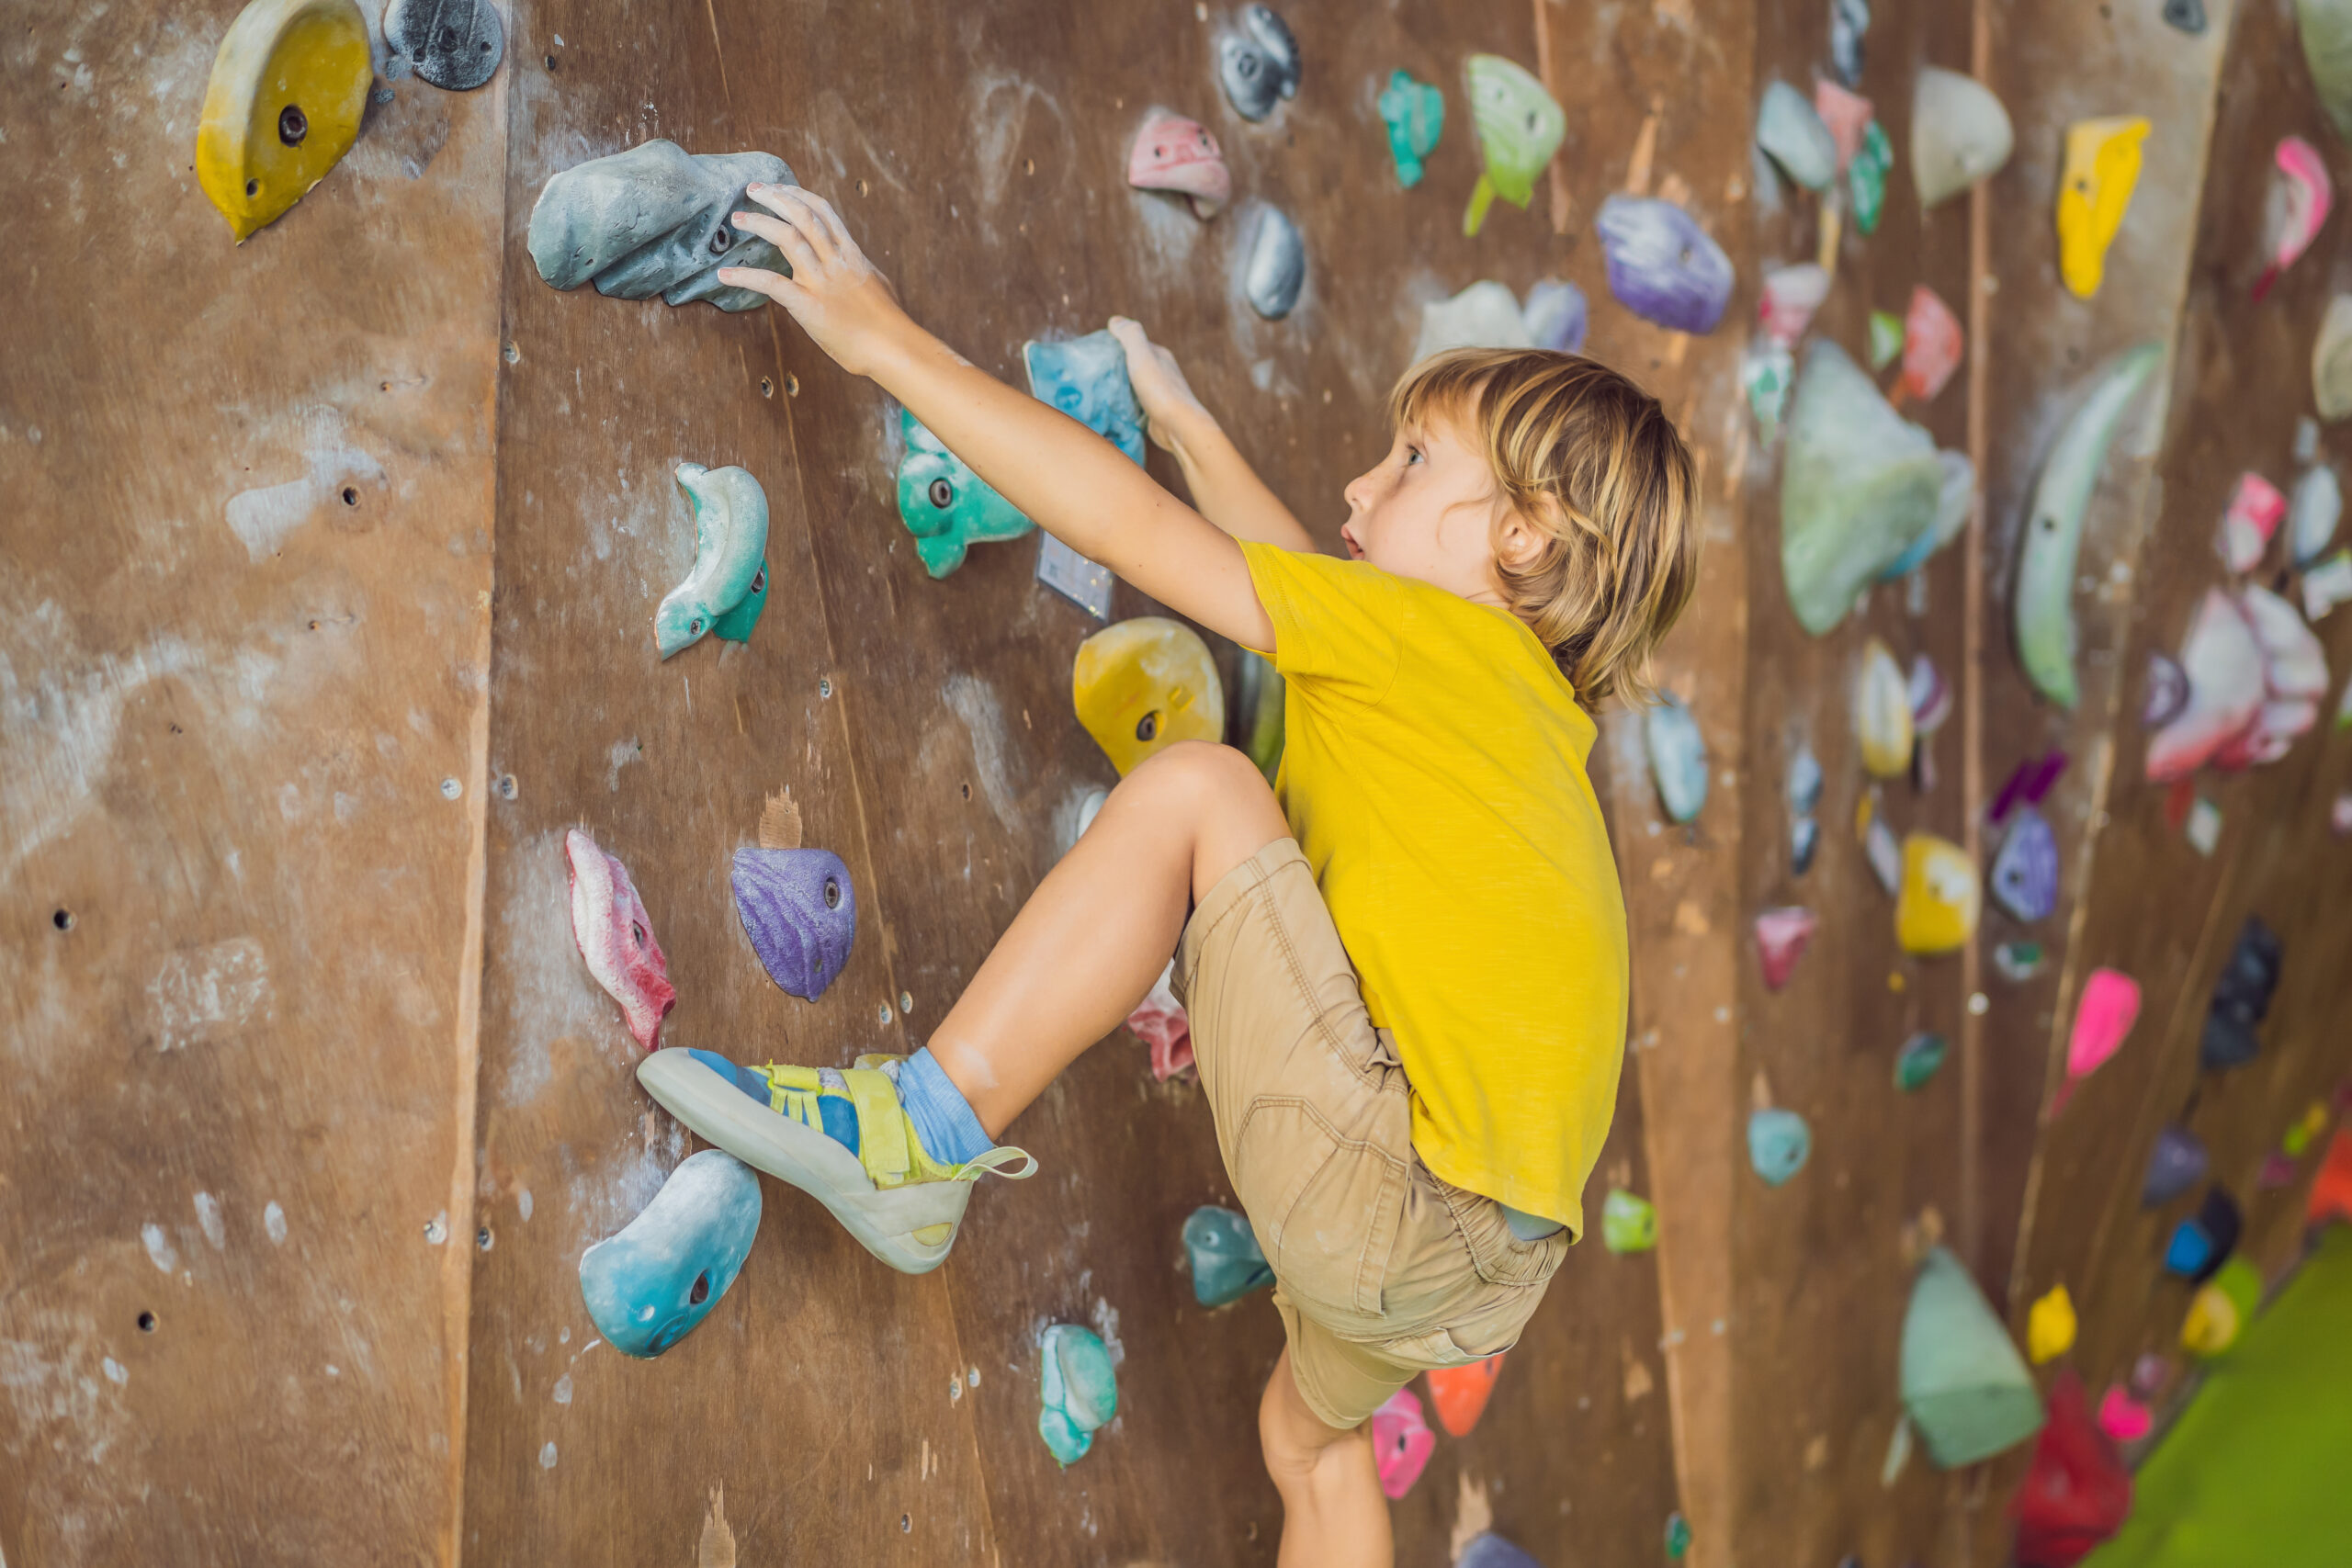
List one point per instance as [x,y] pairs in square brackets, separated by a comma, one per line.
[1077,1391]
[1227,1262]
[1678,1537]
[1921,1058]
[1779,1142]
[735,625]
[1413,113]
[944,505]
[1964,1385]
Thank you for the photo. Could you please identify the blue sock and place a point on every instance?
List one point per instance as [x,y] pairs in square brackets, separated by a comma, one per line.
[951,1133]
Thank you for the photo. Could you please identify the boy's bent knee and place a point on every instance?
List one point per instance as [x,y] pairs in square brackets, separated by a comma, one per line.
[1202,767]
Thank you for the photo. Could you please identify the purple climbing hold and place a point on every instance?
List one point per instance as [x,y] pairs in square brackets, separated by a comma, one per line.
[2177,1163]
[1662,265]
[1490,1550]
[800,914]
[2167,691]
[2025,871]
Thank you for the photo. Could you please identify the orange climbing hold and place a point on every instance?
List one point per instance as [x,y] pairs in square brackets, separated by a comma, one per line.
[1461,1393]
[2331,1196]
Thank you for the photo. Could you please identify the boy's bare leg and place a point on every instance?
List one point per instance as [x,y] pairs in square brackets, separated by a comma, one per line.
[1333,1513]
[1094,936]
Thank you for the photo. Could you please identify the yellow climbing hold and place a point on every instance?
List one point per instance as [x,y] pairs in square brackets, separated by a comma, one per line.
[2050,1327]
[1144,684]
[2221,1308]
[1937,910]
[2102,167]
[1882,712]
[288,89]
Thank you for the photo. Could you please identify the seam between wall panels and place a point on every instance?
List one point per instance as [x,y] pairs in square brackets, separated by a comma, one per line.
[457,1264]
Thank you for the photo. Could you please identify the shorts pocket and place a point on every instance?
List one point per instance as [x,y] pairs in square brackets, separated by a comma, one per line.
[1325,1210]
[1437,1347]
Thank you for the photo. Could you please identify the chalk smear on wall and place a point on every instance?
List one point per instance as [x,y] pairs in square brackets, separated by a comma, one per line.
[207,993]
[975,703]
[264,516]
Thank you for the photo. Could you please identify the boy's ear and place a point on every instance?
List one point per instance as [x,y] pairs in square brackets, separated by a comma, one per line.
[1518,541]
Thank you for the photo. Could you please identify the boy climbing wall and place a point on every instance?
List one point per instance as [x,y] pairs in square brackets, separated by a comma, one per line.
[1406,969]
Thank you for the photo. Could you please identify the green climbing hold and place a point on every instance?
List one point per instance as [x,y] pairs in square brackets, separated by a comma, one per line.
[1678,1537]
[1921,1058]
[1964,1385]
[1860,486]
[1628,1223]
[1077,1391]
[1227,1262]
[1260,712]
[1866,176]
[1415,115]
[1886,339]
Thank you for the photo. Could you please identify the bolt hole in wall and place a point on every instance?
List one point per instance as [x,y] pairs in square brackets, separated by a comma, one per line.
[767,386]
[146,1323]
[351,495]
[968,792]
[63,919]
[791,386]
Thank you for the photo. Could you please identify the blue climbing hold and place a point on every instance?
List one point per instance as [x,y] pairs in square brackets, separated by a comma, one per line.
[1779,1142]
[1227,1262]
[647,1287]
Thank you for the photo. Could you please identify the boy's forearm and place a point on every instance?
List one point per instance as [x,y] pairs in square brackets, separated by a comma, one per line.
[1228,492]
[1075,485]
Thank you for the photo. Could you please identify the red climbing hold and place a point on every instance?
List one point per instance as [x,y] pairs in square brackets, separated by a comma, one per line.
[1782,937]
[2077,1492]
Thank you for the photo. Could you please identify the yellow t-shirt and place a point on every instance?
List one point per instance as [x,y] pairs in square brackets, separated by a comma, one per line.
[1434,773]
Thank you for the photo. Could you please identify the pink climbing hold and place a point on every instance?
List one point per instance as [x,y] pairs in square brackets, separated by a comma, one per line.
[2298,203]
[1159,1022]
[2109,1007]
[1175,154]
[1847,116]
[615,936]
[2227,684]
[1402,1442]
[2255,508]
[1933,345]
[1782,937]
[2122,1417]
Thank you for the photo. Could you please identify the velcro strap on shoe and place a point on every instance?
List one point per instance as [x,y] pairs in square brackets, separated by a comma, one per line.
[793,1092]
[882,1139]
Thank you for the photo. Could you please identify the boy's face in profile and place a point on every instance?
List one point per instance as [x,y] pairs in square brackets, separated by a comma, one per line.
[1426,513]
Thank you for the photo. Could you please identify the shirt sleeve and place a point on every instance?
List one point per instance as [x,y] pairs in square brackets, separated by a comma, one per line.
[1337,622]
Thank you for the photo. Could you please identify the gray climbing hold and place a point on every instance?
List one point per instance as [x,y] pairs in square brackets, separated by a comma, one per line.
[1257,64]
[654,220]
[1276,269]
[455,45]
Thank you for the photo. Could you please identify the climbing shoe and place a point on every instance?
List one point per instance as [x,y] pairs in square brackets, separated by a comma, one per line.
[842,1137]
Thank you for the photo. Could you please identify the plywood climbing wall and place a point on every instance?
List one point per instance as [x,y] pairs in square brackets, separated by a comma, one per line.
[330,562]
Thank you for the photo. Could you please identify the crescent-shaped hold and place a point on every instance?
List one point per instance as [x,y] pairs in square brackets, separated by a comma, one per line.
[730,542]
[283,105]
[2045,594]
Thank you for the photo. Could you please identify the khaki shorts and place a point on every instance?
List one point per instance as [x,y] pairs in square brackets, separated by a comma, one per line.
[1381,1269]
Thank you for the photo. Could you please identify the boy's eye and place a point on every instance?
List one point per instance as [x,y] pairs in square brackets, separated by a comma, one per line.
[1412,456]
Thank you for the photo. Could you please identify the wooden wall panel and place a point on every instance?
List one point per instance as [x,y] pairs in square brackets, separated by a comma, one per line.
[241,650]
[949,754]
[2240,383]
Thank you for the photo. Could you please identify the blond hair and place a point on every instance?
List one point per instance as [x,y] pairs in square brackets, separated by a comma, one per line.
[1591,462]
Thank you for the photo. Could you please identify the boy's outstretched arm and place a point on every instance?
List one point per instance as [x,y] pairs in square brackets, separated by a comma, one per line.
[1224,487]
[1076,486]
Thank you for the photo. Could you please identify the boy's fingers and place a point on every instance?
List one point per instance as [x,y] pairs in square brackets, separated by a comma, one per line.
[759,281]
[803,211]
[784,235]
